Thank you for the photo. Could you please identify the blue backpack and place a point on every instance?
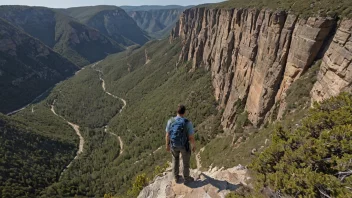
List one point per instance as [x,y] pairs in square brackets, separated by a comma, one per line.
[178,133]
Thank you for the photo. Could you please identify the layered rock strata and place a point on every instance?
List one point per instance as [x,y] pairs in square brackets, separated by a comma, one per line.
[255,55]
[335,73]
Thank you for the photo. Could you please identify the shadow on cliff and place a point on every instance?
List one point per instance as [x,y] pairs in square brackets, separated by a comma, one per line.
[219,184]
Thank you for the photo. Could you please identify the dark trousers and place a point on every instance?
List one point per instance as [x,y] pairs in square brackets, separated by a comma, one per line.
[186,156]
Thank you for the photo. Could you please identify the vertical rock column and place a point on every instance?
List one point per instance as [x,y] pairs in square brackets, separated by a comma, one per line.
[307,40]
[247,25]
[273,46]
[335,74]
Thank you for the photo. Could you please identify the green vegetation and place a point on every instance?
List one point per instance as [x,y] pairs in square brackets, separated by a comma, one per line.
[33,154]
[306,8]
[142,180]
[152,92]
[83,101]
[316,154]
[157,23]
[85,13]
[237,147]
[88,174]
[77,42]
[29,70]
[45,123]
[298,95]
[111,21]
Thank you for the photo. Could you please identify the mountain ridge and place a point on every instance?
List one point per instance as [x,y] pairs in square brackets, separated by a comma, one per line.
[28,67]
[78,43]
[111,21]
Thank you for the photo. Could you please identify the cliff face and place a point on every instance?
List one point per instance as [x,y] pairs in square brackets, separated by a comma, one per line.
[255,55]
[335,74]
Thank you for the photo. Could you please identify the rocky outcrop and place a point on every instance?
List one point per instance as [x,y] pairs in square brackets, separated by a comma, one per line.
[335,74]
[255,55]
[215,183]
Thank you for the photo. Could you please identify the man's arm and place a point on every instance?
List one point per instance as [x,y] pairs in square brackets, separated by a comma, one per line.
[193,142]
[190,130]
[167,136]
[167,141]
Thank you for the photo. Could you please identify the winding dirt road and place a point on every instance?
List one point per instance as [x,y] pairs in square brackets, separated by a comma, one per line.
[76,128]
[116,97]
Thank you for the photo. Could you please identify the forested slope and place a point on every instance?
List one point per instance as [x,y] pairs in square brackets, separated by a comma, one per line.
[152,90]
[27,67]
[157,23]
[112,21]
[82,100]
[75,41]
[33,152]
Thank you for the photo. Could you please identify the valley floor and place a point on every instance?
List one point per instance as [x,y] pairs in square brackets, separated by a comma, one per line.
[112,95]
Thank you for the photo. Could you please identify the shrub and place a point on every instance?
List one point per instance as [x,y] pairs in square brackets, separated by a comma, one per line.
[315,158]
[140,182]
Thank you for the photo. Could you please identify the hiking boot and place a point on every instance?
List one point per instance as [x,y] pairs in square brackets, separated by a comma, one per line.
[189,180]
[177,178]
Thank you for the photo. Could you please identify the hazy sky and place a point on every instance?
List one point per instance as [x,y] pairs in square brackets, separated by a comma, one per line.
[75,3]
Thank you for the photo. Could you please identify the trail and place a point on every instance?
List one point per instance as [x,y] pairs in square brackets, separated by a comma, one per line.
[36,98]
[116,97]
[198,159]
[118,137]
[81,139]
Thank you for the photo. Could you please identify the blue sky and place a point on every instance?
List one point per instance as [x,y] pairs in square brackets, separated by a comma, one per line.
[75,3]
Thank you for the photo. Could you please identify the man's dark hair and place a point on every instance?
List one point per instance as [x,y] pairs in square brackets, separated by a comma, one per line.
[181,109]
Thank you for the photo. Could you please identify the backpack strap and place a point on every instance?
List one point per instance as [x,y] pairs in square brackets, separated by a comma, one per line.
[172,121]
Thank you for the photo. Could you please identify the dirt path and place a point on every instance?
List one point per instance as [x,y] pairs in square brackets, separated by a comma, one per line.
[121,145]
[198,159]
[116,97]
[76,128]
[118,137]
[35,99]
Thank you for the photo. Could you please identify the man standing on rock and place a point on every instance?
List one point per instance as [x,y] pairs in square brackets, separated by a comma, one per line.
[179,132]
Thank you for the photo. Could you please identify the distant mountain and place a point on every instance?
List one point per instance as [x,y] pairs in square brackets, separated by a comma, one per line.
[153,7]
[157,21]
[27,67]
[75,41]
[112,21]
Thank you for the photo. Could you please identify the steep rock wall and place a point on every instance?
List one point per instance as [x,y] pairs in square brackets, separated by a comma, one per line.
[335,74]
[255,55]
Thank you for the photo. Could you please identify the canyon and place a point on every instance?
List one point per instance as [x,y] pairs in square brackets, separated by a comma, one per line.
[255,55]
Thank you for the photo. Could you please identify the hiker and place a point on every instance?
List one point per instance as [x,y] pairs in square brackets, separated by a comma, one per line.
[179,132]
